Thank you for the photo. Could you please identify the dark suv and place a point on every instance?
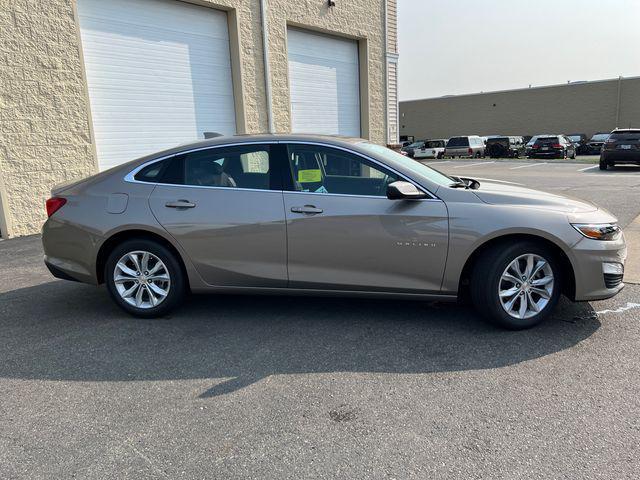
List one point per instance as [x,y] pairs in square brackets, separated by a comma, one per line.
[580,142]
[594,145]
[505,147]
[622,146]
[553,146]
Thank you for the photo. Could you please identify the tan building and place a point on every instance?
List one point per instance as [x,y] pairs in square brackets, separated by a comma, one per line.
[585,107]
[88,84]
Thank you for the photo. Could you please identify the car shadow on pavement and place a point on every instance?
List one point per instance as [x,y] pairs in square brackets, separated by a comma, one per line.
[72,332]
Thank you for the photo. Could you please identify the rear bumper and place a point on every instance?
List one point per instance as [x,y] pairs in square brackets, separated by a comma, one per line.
[546,153]
[590,257]
[621,156]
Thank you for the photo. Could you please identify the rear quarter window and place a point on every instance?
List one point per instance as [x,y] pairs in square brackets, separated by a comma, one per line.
[152,173]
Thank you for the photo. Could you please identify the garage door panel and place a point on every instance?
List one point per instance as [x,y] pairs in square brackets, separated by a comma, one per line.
[158,73]
[324,84]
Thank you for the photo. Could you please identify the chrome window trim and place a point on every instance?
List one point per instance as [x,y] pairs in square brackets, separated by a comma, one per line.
[130,177]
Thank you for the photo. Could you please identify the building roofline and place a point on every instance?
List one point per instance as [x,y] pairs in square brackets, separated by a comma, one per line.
[510,90]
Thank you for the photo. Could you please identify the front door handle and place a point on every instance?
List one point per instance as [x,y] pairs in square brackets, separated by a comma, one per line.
[308,209]
[180,204]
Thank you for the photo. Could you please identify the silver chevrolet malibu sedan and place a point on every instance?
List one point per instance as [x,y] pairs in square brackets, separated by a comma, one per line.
[316,215]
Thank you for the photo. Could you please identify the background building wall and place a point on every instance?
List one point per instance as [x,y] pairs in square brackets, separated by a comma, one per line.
[45,124]
[572,108]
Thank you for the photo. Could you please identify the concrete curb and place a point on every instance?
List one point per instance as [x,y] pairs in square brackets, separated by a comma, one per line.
[632,265]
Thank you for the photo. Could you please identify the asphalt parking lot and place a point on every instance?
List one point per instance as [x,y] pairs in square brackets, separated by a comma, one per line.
[261,387]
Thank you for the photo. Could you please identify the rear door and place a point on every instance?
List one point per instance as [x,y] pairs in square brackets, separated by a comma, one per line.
[343,233]
[224,206]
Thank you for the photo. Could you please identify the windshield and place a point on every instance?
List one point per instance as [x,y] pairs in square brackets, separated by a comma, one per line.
[574,138]
[415,145]
[600,137]
[393,157]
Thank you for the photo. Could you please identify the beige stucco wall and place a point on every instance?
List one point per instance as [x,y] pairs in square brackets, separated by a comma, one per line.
[45,125]
[573,108]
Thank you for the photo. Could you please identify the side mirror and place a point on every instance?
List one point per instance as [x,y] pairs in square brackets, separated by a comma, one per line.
[404,191]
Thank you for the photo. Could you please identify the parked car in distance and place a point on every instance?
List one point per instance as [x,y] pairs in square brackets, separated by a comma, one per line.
[580,142]
[552,146]
[595,143]
[410,149]
[317,215]
[433,148]
[505,147]
[471,146]
[622,147]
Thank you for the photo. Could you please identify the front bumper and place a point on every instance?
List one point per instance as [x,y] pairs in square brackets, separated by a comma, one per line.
[590,256]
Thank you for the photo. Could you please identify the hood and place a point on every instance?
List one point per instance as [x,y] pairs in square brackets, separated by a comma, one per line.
[498,193]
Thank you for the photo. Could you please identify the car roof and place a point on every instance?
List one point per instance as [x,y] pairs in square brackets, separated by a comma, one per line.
[626,130]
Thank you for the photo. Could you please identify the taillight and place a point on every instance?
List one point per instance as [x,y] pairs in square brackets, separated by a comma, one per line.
[556,145]
[54,204]
[470,151]
[536,146]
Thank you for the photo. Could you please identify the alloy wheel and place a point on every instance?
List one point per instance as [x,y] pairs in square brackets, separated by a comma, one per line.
[526,286]
[142,279]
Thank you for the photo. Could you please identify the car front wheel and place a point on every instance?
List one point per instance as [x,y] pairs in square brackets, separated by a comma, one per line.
[603,165]
[516,287]
[144,278]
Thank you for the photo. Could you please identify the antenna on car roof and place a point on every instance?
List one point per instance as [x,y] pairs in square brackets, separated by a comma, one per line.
[212,135]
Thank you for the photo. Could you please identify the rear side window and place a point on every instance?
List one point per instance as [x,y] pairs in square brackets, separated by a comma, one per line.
[246,166]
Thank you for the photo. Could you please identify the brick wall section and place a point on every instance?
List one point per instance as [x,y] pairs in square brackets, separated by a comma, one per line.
[573,108]
[45,132]
[44,125]
[392,26]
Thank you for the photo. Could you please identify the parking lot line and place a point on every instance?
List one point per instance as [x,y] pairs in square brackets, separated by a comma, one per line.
[588,168]
[433,163]
[474,164]
[527,166]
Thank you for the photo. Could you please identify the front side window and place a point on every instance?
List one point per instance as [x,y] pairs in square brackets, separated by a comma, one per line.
[319,169]
[246,166]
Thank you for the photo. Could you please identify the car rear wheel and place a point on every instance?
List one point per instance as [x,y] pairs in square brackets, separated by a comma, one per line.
[603,165]
[144,278]
[516,287]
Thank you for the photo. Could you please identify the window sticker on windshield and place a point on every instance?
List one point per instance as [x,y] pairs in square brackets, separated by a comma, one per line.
[308,176]
[321,189]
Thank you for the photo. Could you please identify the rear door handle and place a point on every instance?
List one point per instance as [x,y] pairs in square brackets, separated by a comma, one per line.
[180,204]
[308,209]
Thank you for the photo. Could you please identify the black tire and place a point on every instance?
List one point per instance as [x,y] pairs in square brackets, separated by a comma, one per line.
[573,156]
[603,165]
[439,156]
[177,287]
[486,277]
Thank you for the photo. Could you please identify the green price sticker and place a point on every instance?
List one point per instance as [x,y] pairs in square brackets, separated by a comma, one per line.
[309,176]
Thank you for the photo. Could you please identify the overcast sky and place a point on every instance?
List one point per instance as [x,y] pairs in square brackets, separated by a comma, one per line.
[467,46]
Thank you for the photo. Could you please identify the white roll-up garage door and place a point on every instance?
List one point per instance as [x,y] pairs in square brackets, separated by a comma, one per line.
[158,73]
[324,84]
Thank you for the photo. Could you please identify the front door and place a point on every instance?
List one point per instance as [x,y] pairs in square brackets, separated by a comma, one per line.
[224,206]
[343,232]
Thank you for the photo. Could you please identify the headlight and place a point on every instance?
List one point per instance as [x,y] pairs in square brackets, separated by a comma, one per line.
[598,231]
